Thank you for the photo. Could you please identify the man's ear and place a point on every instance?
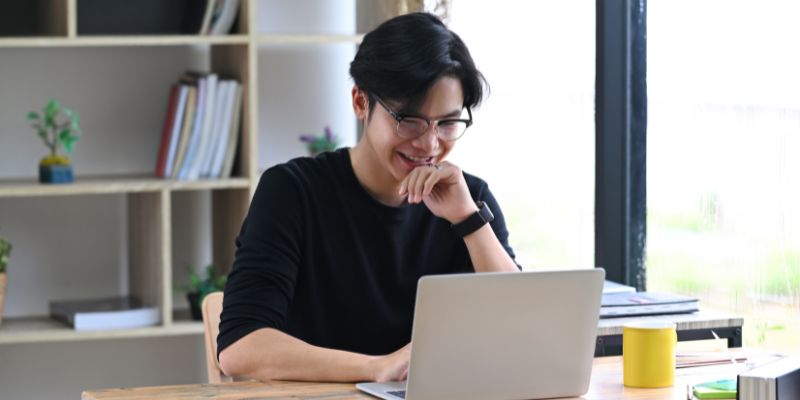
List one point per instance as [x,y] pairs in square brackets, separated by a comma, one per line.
[360,103]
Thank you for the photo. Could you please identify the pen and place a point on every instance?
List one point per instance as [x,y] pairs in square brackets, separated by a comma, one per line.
[727,350]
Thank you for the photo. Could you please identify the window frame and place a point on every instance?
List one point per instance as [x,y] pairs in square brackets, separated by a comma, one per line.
[621,133]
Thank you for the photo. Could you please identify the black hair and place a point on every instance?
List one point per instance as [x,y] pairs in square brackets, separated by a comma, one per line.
[403,57]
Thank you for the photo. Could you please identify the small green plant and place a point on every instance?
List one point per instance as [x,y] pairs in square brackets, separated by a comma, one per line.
[58,127]
[762,327]
[5,253]
[205,283]
[318,144]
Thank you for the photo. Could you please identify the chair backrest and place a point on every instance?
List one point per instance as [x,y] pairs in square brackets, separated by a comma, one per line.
[212,308]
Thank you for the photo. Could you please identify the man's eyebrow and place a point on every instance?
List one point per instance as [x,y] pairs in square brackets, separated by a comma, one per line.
[453,114]
[450,115]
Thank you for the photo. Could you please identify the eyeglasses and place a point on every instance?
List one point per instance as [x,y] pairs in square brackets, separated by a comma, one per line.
[410,127]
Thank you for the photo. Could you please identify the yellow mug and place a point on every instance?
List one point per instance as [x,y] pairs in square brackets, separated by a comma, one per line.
[648,354]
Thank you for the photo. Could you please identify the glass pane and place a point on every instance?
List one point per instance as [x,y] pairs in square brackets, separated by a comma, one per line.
[533,138]
[723,167]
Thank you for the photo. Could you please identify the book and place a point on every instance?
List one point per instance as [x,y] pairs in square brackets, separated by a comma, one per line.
[120,312]
[233,139]
[645,303]
[719,389]
[775,380]
[217,131]
[701,359]
[207,16]
[223,24]
[215,168]
[204,138]
[197,125]
[169,120]
[186,131]
[176,131]
[614,287]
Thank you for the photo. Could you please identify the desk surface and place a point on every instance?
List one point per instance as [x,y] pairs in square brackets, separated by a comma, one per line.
[606,385]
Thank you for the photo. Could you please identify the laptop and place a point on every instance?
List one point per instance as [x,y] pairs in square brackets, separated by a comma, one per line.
[519,335]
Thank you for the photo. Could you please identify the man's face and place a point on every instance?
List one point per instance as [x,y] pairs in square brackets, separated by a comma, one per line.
[398,155]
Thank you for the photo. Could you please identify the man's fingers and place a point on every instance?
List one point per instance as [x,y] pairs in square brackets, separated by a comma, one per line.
[430,182]
[419,182]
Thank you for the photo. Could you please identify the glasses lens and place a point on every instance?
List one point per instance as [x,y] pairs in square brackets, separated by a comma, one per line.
[451,130]
[410,127]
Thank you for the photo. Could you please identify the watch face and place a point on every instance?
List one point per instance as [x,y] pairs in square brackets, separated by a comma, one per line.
[485,212]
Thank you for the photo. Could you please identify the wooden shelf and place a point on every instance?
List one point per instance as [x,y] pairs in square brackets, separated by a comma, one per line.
[138,40]
[45,329]
[113,184]
[307,39]
[174,40]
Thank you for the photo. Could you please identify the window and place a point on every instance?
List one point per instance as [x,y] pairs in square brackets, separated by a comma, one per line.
[723,172]
[533,139]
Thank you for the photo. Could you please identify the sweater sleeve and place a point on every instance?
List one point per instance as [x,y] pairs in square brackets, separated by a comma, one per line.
[499,224]
[480,191]
[261,283]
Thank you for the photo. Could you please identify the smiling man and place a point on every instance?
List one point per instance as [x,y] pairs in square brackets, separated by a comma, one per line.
[328,258]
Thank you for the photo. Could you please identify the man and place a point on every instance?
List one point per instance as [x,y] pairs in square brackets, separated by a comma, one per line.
[328,258]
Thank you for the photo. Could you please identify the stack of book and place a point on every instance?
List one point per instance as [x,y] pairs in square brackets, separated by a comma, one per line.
[201,128]
[104,313]
[627,304]
[776,380]
[219,16]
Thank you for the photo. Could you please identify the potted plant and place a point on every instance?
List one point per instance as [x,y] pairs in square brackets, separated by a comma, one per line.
[58,127]
[318,144]
[200,286]
[5,253]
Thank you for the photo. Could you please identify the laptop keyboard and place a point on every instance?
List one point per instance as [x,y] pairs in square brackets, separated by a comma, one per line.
[398,393]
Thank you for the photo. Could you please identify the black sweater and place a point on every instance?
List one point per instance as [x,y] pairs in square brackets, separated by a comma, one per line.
[321,260]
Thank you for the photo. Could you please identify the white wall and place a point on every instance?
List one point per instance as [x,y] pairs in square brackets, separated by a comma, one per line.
[70,246]
[303,88]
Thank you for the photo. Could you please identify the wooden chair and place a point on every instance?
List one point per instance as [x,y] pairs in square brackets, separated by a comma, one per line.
[212,308]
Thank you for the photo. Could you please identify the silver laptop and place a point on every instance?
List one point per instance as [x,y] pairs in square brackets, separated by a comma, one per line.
[526,335]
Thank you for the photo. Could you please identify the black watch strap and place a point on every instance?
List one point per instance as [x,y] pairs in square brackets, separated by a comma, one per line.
[475,221]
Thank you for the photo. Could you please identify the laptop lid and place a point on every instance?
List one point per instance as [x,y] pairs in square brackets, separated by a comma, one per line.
[504,335]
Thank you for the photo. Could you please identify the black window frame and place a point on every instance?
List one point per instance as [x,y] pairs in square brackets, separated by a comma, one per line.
[620,134]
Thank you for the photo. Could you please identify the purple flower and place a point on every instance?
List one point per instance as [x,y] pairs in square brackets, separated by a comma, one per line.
[307,138]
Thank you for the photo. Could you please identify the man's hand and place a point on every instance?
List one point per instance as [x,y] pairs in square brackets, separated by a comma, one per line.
[442,188]
[391,367]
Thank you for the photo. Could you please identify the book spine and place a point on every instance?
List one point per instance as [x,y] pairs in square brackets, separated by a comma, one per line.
[208,119]
[233,139]
[224,130]
[176,131]
[197,128]
[161,159]
[186,132]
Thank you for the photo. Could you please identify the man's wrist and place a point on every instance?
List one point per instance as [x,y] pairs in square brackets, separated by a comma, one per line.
[462,216]
[476,220]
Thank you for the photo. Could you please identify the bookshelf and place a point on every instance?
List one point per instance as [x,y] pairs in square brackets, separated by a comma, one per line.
[149,199]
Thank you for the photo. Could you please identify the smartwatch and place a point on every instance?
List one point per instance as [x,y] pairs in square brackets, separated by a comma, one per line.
[475,221]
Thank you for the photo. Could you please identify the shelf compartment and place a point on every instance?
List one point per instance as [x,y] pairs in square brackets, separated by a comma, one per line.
[45,329]
[113,184]
[34,18]
[114,41]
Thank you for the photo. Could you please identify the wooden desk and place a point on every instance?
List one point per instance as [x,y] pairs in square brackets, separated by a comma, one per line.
[606,384]
[693,326]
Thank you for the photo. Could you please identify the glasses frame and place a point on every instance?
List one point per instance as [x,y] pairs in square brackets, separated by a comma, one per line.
[400,117]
